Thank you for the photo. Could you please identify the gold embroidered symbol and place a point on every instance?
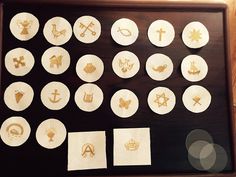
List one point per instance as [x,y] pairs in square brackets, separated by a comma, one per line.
[54,99]
[89,68]
[195,35]
[88,148]
[196,100]
[55,60]
[15,130]
[193,69]
[56,33]
[88,98]
[125,32]
[24,25]
[132,145]
[18,95]
[160,68]
[125,65]
[19,62]
[124,103]
[161,100]
[51,133]
[160,31]
[87,28]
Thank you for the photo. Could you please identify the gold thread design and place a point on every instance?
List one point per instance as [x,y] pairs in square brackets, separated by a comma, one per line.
[57,33]
[193,69]
[15,130]
[196,100]
[54,99]
[125,65]
[88,98]
[124,103]
[195,35]
[18,95]
[160,68]
[56,60]
[161,32]
[132,145]
[88,148]
[19,62]
[124,31]
[89,68]
[25,26]
[50,134]
[161,100]
[87,28]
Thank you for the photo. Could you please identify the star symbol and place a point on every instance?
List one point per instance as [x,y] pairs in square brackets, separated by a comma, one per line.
[195,35]
[161,99]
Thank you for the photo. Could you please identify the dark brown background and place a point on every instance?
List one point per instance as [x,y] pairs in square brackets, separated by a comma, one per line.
[168,132]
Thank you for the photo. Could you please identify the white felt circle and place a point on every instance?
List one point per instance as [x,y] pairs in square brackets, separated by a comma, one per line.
[55,60]
[196,98]
[124,103]
[15,131]
[125,64]
[161,100]
[87,29]
[57,31]
[89,68]
[24,26]
[194,68]
[124,31]
[159,66]
[88,97]
[51,133]
[18,96]
[55,95]
[161,33]
[195,35]
[19,61]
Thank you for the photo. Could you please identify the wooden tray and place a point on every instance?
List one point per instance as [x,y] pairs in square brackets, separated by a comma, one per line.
[168,132]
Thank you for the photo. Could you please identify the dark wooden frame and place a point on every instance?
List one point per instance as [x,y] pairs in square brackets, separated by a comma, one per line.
[153,4]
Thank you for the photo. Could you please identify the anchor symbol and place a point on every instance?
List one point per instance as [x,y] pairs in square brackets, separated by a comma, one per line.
[55,94]
[87,28]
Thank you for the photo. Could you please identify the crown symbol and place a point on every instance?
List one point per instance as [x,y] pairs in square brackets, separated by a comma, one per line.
[132,145]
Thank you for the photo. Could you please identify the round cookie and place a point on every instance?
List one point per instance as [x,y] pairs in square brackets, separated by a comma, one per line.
[161,100]
[18,96]
[196,98]
[124,31]
[89,68]
[56,60]
[124,103]
[57,31]
[161,33]
[55,95]
[15,131]
[87,29]
[88,97]
[24,26]
[195,35]
[125,64]
[51,133]
[194,68]
[159,67]
[19,61]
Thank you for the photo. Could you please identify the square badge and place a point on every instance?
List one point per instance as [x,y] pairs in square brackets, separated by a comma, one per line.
[132,146]
[87,150]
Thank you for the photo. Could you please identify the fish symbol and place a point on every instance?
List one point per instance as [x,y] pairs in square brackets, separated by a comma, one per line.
[125,32]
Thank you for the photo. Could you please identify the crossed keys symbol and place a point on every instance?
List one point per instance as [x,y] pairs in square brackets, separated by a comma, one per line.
[87,28]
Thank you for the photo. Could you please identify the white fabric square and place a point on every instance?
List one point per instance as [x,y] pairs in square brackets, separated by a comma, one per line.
[132,147]
[87,150]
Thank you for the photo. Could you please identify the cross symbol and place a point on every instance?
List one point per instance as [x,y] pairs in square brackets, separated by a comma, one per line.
[160,31]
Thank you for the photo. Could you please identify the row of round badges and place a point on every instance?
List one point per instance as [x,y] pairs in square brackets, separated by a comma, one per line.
[90,68]
[87,29]
[124,103]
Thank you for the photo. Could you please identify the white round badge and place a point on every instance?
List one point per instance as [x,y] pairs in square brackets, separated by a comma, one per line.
[124,103]
[87,29]
[55,95]
[89,68]
[15,131]
[57,31]
[161,100]
[159,67]
[19,61]
[124,32]
[125,64]
[51,133]
[18,96]
[161,33]
[24,26]
[196,98]
[195,35]
[56,60]
[194,68]
[88,97]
